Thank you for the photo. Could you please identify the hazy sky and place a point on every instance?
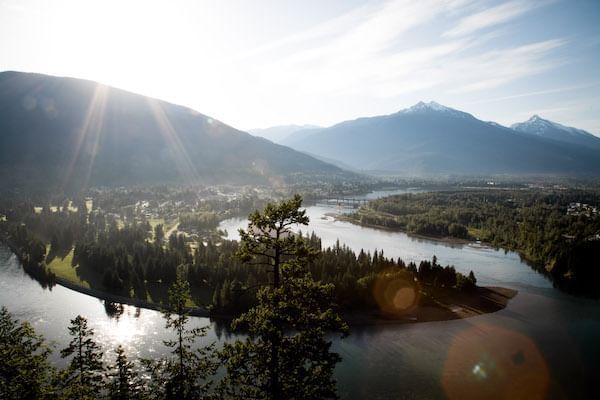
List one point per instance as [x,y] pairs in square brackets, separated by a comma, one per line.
[261,63]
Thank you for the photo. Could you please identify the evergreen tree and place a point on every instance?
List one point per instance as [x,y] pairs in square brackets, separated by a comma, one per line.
[159,234]
[286,355]
[124,383]
[187,374]
[24,368]
[82,379]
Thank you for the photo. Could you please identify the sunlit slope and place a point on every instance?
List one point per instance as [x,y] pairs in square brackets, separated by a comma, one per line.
[69,132]
[433,139]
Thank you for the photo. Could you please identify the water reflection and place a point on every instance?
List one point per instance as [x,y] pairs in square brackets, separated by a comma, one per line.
[113,310]
[542,331]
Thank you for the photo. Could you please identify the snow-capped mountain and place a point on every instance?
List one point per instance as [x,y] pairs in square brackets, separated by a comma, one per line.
[552,130]
[432,106]
[429,138]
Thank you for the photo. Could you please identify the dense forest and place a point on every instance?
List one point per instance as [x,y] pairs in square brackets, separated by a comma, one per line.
[557,230]
[135,260]
[281,284]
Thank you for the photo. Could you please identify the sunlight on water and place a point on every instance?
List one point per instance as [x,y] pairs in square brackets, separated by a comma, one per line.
[541,333]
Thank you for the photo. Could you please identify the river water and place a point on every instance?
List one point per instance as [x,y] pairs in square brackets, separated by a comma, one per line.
[544,344]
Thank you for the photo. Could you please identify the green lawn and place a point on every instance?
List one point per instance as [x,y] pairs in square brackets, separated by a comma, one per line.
[63,269]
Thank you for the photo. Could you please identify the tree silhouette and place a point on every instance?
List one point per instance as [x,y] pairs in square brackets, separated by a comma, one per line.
[187,374]
[83,378]
[123,381]
[286,355]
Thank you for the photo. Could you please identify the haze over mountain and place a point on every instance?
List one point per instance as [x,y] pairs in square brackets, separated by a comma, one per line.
[429,138]
[552,130]
[71,132]
[278,134]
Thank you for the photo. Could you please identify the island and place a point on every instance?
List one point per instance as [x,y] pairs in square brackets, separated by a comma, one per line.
[127,249]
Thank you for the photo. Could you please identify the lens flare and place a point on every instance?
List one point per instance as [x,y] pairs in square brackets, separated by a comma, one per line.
[487,362]
[395,292]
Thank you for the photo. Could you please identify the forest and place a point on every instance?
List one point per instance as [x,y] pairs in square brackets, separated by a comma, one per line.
[136,261]
[557,230]
[282,287]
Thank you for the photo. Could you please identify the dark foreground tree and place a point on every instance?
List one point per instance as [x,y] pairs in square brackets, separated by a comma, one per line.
[286,355]
[187,373]
[83,378]
[24,368]
[123,380]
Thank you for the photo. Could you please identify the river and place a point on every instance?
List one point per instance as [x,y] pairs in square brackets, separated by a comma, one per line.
[544,344]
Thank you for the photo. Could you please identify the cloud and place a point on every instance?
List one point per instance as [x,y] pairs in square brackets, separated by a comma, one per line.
[384,55]
[490,17]
[497,67]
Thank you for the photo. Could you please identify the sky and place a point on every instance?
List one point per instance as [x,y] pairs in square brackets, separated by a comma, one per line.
[261,63]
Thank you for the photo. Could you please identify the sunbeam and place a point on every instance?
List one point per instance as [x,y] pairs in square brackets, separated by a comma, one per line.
[87,138]
[185,165]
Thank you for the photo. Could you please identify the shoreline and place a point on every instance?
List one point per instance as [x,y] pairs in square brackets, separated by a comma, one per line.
[452,241]
[447,239]
[113,298]
[458,305]
[453,305]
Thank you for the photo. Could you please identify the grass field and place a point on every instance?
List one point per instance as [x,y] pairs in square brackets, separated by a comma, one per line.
[167,225]
[156,292]
[63,269]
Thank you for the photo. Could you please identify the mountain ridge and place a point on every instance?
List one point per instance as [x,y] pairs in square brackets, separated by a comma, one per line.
[429,138]
[67,131]
[279,133]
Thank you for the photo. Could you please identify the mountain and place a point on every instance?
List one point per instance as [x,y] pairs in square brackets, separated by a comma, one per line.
[298,136]
[430,138]
[69,132]
[551,130]
[278,134]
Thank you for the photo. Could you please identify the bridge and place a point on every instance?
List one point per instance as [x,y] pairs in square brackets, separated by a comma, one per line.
[344,201]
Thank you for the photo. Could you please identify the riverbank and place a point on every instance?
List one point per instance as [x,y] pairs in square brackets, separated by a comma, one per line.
[444,304]
[113,298]
[61,279]
[450,306]
[444,307]
[447,239]
[527,258]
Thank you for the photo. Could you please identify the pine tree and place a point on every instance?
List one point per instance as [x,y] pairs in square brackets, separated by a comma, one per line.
[123,381]
[24,368]
[187,373]
[82,379]
[286,355]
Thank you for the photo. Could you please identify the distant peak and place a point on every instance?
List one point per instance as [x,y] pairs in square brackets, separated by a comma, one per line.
[539,126]
[535,118]
[433,106]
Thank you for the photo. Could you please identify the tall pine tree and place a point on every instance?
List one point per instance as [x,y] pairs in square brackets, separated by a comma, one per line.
[83,378]
[286,355]
[187,373]
[123,380]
